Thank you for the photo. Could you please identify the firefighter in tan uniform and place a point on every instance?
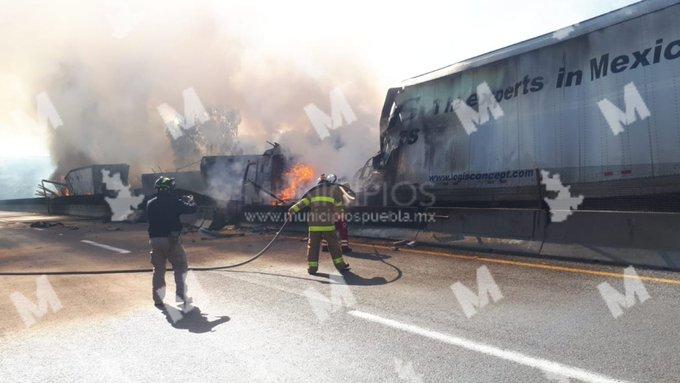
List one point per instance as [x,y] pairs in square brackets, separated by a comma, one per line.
[323,201]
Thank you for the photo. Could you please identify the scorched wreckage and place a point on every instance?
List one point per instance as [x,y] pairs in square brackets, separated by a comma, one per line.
[597,103]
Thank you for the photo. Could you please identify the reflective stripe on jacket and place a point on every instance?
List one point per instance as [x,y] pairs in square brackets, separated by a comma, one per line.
[323,201]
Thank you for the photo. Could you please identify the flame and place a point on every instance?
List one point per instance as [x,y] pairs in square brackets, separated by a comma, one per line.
[298,177]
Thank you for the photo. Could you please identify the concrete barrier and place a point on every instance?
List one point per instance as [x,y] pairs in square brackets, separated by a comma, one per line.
[646,239]
[79,206]
[636,238]
[86,206]
[29,205]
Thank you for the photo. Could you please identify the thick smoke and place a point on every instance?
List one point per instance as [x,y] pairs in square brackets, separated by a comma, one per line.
[106,89]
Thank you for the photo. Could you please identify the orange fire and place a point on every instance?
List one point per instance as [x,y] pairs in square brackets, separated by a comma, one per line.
[299,177]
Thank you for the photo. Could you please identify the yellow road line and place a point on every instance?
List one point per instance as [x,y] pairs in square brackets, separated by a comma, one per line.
[531,265]
[542,266]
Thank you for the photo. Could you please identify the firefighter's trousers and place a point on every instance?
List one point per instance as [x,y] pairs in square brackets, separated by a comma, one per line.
[343,234]
[314,242]
[168,249]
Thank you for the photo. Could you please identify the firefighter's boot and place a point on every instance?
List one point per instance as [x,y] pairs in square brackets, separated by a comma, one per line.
[340,264]
[313,268]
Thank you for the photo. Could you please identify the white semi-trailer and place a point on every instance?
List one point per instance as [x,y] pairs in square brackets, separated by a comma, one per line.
[597,103]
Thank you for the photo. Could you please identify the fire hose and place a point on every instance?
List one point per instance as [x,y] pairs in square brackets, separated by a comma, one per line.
[148,270]
[348,193]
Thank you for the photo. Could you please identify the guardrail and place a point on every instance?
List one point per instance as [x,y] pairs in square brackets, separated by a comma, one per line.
[647,239]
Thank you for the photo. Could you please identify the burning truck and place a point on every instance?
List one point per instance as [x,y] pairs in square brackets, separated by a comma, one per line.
[225,184]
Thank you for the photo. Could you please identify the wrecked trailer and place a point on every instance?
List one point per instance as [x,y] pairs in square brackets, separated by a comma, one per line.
[243,178]
[89,180]
[191,181]
[477,132]
[225,183]
[236,181]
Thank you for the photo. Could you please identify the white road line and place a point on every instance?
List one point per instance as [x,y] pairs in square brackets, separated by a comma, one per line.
[513,356]
[107,247]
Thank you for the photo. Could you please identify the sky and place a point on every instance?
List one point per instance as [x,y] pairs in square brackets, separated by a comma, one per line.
[385,41]
[400,39]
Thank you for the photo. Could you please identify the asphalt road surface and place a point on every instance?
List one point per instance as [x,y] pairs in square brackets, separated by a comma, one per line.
[412,315]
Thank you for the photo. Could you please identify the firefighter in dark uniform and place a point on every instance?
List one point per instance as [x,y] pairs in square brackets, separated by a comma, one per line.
[163,213]
[323,201]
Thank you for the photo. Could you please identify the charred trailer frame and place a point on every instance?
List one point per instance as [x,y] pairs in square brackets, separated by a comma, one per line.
[88,180]
[236,181]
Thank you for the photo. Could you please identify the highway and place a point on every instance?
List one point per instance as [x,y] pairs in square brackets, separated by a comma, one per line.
[400,315]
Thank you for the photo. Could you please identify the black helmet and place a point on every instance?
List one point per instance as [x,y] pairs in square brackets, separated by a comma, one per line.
[164,183]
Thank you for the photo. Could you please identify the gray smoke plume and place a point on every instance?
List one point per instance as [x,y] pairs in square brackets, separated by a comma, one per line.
[107,89]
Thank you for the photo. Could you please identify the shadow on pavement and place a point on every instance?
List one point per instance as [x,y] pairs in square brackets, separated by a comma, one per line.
[371,257]
[350,278]
[195,321]
[270,274]
[353,279]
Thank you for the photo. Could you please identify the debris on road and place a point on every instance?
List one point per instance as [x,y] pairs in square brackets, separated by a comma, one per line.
[215,234]
[404,242]
[44,224]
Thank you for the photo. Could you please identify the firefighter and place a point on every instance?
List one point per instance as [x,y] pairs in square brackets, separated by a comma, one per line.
[341,223]
[322,200]
[163,213]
